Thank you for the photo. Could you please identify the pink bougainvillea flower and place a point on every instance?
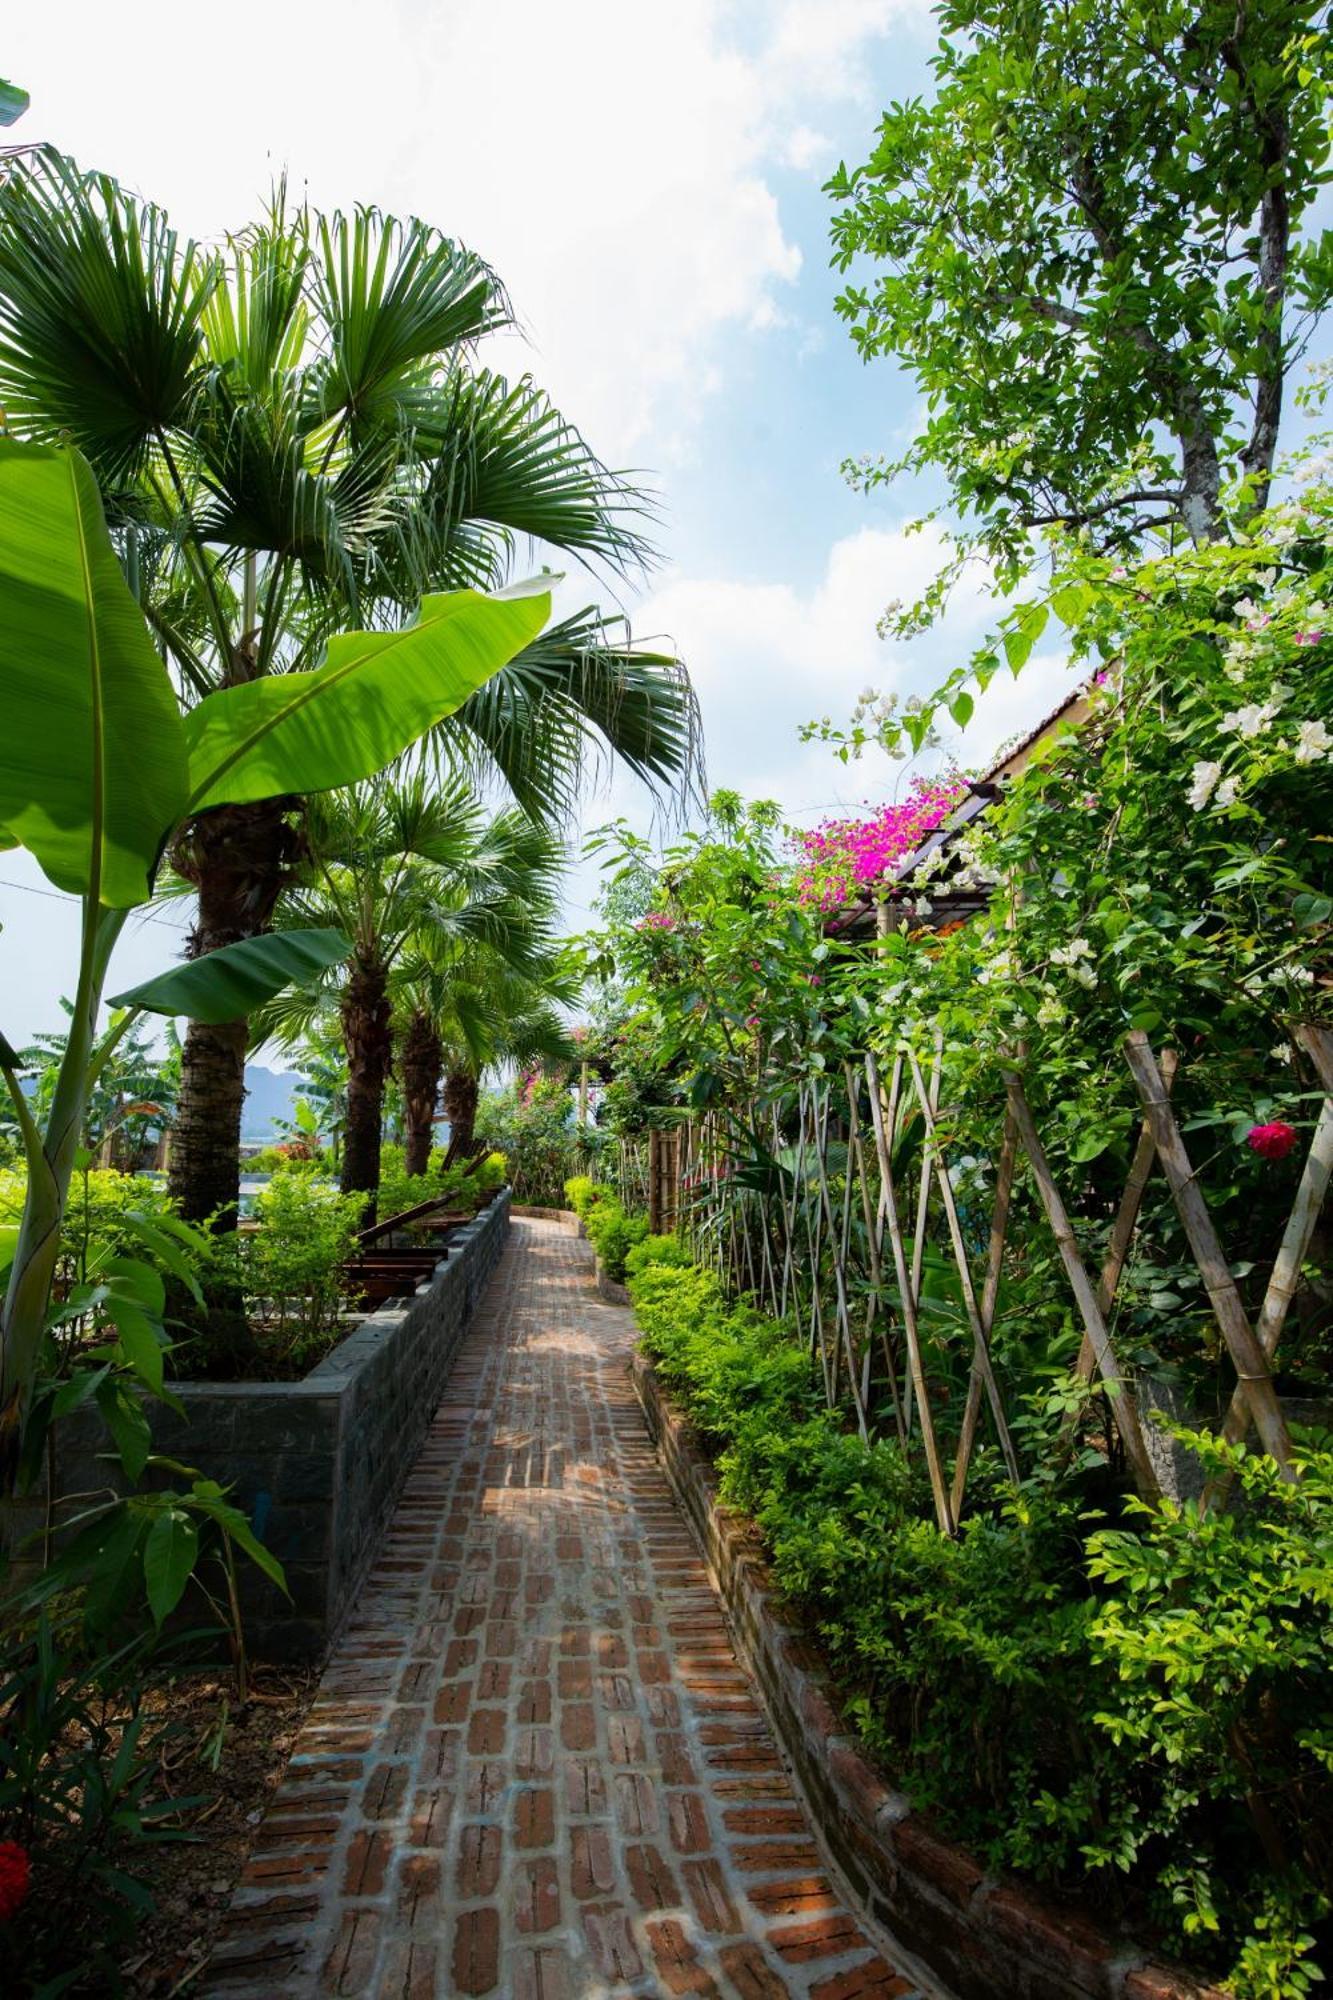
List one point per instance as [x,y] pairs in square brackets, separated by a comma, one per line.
[1308,638]
[15,1870]
[844,857]
[1271,1142]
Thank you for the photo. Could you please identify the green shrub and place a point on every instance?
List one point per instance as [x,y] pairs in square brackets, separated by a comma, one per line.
[1149,1698]
[656,1250]
[532,1124]
[583,1193]
[613,1234]
[462,1186]
[290,1268]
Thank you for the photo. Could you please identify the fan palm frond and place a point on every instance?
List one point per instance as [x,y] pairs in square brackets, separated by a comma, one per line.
[101,310]
[395,298]
[582,693]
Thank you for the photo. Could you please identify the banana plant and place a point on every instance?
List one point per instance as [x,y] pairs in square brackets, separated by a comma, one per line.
[98,768]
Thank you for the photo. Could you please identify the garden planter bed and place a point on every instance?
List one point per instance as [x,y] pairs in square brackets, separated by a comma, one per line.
[611,1289]
[317,1465]
[982,1935]
[525,1211]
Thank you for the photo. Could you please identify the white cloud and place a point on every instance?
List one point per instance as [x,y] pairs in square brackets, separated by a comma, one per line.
[804,148]
[767,657]
[611,160]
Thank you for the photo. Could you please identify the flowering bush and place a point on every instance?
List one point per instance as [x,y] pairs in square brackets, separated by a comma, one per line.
[849,857]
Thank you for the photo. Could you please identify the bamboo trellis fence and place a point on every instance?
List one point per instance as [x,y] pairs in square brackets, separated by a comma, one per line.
[804,1206]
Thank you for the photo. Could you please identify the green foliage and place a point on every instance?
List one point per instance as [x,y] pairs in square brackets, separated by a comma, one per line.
[583,1193]
[531,1124]
[1216,1630]
[287,1159]
[656,1250]
[461,1186]
[290,1267]
[613,1234]
[1087,251]
[231,982]
[80,1757]
[94,800]
[1063,1690]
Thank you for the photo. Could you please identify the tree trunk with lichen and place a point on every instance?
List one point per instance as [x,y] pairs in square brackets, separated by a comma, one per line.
[460,1107]
[420,1061]
[368,1040]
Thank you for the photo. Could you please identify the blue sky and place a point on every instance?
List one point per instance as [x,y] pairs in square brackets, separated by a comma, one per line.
[647,180]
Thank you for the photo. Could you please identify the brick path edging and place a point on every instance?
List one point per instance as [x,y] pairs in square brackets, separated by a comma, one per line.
[980,1934]
[526,1212]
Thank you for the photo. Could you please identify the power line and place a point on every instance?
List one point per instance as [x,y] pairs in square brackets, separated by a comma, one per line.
[58,896]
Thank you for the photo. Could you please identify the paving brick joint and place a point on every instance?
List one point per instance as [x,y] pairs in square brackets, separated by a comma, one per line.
[534,1767]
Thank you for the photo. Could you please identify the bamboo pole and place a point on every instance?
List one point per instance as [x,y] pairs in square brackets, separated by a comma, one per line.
[1122,1231]
[1251,1366]
[875,1317]
[990,1295]
[842,1307]
[1310,1197]
[1122,1402]
[907,1295]
[981,1360]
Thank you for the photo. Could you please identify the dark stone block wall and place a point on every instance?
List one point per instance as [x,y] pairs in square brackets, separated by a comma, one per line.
[317,1465]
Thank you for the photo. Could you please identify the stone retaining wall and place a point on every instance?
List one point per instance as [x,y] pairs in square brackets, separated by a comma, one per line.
[316,1465]
[984,1937]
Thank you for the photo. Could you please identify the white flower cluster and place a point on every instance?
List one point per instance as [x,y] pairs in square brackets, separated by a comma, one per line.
[1313,742]
[1250,721]
[1076,956]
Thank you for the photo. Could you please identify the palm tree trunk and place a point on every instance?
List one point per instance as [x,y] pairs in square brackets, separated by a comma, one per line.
[419,1065]
[460,1105]
[239,859]
[368,1039]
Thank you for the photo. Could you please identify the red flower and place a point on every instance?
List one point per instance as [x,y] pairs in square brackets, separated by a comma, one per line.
[1271,1142]
[14,1872]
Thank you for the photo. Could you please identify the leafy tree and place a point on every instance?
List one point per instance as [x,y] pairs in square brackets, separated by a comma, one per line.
[392,860]
[461,1010]
[132,1096]
[1096,271]
[292,435]
[97,800]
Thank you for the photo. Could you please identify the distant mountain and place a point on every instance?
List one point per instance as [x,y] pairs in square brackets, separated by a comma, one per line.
[269,1096]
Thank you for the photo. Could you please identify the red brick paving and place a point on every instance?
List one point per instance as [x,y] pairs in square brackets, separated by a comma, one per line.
[534,1768]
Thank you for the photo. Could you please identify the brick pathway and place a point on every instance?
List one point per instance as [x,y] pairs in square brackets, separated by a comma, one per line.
[534,1768]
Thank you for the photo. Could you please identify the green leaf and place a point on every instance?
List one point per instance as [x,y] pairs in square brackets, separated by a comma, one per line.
[208,1497]
[13,102]
[228,984]
[78,1389]
[167,1248]
[130,1278]
[138,1341]
[169,1557]
[376,693]
[124,1418]
[92,753]
[960,708]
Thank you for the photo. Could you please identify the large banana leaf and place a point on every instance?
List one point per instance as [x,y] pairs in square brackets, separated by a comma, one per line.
[92,752]
[376,693]
[228,984]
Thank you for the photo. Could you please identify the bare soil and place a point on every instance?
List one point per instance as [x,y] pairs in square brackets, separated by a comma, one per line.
[230,1759]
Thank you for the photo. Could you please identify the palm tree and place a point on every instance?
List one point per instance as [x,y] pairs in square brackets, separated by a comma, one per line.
[391,862]
[459,1012]
[293,434]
